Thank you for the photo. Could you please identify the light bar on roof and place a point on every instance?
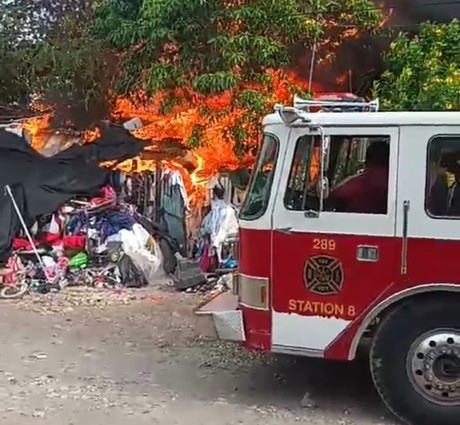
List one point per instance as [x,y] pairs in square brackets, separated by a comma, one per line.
[338,105]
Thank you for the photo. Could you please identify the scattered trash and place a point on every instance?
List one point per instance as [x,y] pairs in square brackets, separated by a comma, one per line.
[130,233]
[94,244]
[307,402]
[157,299]
[38,414]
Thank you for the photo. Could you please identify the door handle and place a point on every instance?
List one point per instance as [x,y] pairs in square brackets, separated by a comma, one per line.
[406,207]
[285,230]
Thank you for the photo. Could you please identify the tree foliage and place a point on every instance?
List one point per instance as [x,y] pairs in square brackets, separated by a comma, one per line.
[222,64]
[184,54]
[423,71]
[215,46]
[73,73]
[46,50]
[14,48]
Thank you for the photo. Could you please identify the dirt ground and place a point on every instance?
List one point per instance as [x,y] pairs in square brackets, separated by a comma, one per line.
[103,358]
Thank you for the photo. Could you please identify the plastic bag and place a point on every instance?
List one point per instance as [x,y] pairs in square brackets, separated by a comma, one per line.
[148,264]
[130,275]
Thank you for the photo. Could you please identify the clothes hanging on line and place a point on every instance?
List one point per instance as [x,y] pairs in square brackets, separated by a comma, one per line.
[173,178]
[219,223]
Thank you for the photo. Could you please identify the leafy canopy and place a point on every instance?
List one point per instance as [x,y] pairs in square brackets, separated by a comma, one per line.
[423,71]
[46,50]
[184,54]
[73,53]
[215,45]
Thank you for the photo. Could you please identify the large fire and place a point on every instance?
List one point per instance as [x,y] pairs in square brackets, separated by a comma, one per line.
[214,116]
[38,129]
[216,150]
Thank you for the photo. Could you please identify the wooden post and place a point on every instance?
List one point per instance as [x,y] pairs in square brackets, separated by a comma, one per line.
[158,191]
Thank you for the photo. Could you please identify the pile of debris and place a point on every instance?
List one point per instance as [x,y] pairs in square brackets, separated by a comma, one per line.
[95,242]
[64,222]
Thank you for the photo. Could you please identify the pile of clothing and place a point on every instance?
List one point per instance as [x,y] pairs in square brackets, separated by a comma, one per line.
[62,222]
[94,242]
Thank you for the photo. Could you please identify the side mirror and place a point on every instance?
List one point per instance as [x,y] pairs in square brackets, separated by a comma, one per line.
[288,115]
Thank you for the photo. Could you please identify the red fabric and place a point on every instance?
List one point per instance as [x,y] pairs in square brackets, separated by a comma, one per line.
[208,263]
[15,265]
[74,242]
[107,193]
[365,193]
[49,238]
[71,242]
[19,243]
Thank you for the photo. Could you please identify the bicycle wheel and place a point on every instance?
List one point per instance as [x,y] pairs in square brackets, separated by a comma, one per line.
[14,291]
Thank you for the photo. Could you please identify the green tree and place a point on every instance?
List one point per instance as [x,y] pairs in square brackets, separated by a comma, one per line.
[423,71]
[206,47]
[214,45]
[47,51]
[14,49]
[73,73]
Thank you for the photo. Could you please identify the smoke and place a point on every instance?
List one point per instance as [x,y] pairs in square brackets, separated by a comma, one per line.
[360,61]
[412,12]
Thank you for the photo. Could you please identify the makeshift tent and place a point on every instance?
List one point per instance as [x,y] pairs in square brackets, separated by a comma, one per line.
[41,185]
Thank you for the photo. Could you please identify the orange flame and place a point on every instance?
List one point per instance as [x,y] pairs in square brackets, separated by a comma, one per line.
[185,120]
[91,135]
[38,130]
[217,141]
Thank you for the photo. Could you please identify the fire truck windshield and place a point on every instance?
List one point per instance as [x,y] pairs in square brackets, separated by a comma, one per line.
[258,194]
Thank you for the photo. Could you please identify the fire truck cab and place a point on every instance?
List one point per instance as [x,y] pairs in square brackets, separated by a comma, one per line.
[351,228]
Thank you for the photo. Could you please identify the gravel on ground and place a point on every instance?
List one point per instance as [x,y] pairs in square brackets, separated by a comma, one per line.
[135,357]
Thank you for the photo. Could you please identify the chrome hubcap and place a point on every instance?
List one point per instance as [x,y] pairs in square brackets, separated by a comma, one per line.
[433,366]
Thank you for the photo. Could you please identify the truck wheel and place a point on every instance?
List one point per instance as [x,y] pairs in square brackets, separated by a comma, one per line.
[415,361]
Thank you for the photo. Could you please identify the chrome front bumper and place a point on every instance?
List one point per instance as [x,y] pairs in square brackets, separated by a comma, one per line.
[221,318]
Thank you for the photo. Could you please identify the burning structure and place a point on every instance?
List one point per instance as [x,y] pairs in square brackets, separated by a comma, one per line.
[216,132]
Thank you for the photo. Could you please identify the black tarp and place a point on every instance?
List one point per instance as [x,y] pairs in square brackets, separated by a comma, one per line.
[41,185]
[115,144]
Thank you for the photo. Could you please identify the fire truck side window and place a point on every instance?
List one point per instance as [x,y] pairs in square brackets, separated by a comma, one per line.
[442,198]
[300,193]
[357,171]
[258,194]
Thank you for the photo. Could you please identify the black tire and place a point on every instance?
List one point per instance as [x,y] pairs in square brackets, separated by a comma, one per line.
[391,346]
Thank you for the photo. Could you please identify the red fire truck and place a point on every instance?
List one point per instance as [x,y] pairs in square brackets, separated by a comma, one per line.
[351,229]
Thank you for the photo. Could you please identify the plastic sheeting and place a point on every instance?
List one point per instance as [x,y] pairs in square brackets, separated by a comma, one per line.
[143,250]
[220,222]
[41,185]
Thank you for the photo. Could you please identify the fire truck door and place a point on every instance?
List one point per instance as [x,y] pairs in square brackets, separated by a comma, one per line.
[329,265]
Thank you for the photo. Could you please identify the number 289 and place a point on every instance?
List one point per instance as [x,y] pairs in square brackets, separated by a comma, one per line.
[324,244]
